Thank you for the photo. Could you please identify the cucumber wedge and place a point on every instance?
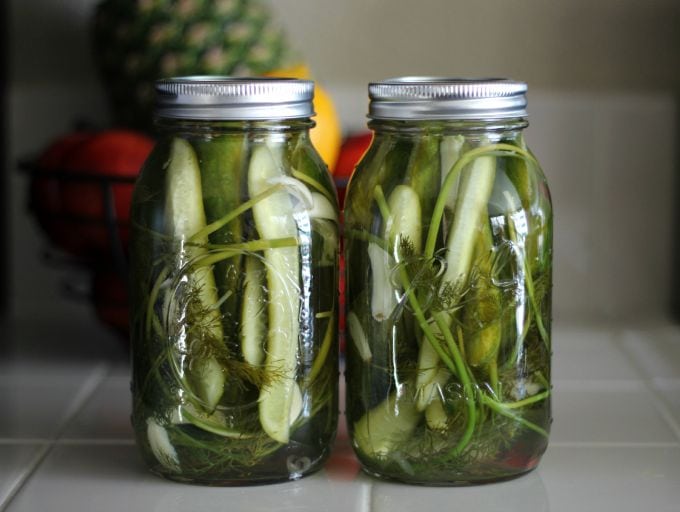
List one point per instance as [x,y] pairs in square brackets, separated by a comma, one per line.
[253,313]
[383,295]
[450,149]
[435,414]
[483,313]
[322,208]
[428,367]
[404,225]
[475,190]
[215,423]
[386,425]
[185,217]
[274,218]
[471,206]
[356,332]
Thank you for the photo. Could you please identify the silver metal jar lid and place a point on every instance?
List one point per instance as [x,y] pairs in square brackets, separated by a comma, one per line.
[230,98]
[411,98]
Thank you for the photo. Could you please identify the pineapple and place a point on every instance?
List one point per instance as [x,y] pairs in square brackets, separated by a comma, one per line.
[137,42]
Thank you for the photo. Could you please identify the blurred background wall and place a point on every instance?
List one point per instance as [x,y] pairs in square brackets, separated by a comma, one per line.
[604,78]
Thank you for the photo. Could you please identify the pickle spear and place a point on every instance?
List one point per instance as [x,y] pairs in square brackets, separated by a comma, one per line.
[473,195]
[185,217]
[274,218]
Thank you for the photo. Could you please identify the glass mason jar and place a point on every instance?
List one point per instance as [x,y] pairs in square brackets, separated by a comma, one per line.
[234,269]
[448,233]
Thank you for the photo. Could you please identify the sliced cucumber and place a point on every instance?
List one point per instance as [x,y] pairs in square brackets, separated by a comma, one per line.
[253,313]
[358,335]
[322,208]
[274,218]
[404,225]
[428,368]
[483,312]
[383,294]
[435,414]
[386,425]
[471,206]
[214,423]
[185,217]
[449,152]
[475,190]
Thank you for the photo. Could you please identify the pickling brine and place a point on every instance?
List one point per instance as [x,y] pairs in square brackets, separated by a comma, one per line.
[234,265]
[448,228]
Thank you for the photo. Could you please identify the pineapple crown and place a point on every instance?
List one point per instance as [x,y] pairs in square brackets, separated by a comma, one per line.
[137,42]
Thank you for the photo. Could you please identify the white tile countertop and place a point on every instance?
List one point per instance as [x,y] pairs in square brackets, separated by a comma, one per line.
[66,443]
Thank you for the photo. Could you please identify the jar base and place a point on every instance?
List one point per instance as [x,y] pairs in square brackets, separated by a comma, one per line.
[469,482]
[226,482]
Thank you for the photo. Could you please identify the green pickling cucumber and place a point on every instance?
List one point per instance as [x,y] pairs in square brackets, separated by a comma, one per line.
[222,161]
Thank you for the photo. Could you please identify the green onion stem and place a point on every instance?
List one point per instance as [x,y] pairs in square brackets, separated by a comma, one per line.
[528,279]
[367,237]
[506,411]
[457,366]
[492,368]
[323,353]
[153,295]
[413,300]
[470,400]
[526,401]
[214,226]
[256,245]
[451,178]
[229,251]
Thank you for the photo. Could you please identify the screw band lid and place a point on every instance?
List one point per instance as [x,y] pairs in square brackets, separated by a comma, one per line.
[412,98]
[231,98]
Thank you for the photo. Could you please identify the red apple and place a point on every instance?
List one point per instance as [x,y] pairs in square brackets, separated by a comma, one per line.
[77,175]
[112,154]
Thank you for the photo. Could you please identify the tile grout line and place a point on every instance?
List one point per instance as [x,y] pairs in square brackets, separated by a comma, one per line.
[662,408]
[368,500]
[613,444]
[21,481]
[24,441]
[629,355]
[92,382]
[86,391]
[86,441]
[658,401]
